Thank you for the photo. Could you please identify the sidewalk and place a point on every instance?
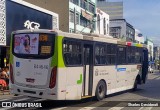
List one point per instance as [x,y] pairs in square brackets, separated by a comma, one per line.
[5,94]
[156,71]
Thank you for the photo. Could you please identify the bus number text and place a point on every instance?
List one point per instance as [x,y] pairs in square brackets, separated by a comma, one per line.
[36,66]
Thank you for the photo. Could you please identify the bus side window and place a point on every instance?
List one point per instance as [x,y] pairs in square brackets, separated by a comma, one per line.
[72,52]
[67,58]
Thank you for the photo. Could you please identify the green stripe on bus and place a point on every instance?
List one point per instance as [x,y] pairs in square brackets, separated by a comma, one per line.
[11,55]
[80,80]
[57,59]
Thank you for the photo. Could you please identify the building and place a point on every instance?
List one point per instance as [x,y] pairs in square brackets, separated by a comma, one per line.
[150,46]
[120,28]
[114,9]
[81,10]
[156,53]
[156,56]
[139,37]
[17,15]
[102,24]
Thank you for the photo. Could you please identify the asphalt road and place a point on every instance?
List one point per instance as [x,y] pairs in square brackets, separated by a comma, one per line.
[147,97]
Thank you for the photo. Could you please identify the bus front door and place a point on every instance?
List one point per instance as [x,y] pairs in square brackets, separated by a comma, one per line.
[88,70]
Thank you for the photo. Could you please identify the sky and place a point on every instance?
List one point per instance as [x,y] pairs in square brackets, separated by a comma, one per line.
[143,15]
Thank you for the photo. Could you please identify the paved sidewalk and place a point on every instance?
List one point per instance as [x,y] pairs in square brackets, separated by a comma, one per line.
[4,95]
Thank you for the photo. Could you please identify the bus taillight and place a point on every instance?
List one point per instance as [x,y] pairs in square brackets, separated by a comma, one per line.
[53,78]
[11,74]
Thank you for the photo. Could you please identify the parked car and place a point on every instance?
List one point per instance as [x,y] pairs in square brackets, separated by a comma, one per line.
[150,69]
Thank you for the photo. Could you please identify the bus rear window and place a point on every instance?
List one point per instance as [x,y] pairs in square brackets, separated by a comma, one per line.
[38,45]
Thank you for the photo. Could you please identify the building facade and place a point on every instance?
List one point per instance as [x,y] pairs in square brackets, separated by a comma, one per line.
[102,24]
[139,37]
[150,46]
[73,14]
[156,56]
[121,29]
[156,53]
[114,9]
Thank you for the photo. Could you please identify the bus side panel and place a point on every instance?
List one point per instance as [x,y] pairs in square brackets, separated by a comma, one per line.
[74,83]
[131,74]
[61,83]
[107,73]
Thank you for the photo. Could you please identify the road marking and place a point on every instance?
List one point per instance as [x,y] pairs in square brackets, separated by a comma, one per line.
[157,78]
[4,99]
[6,108]
[145,108]
[116,108]
[92,106]
[58,108]
[21,99]
[39,100]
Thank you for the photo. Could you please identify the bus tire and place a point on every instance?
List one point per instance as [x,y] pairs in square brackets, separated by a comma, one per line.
[101,90]
[135,85]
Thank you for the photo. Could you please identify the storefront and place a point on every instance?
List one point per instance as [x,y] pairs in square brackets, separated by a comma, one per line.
[17,15]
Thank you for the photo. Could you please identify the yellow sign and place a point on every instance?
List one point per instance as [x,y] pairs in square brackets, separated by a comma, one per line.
[46,49]
[43,37]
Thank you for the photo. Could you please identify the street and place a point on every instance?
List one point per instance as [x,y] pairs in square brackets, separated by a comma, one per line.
[127,100]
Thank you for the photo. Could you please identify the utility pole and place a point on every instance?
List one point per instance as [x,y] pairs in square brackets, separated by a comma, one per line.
[74,20]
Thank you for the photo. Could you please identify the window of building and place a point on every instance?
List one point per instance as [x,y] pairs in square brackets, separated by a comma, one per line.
[77,18]
[107,29]
[85,22]
[101,0]
[104,26]
[84,4]
[98,23]
[91,8]
[72,51]
[76,2]
[71,16]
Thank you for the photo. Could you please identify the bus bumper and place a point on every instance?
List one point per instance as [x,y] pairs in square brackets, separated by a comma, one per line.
[46,93]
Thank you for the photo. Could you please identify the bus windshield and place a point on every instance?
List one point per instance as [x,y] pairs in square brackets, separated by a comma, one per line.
[33,45]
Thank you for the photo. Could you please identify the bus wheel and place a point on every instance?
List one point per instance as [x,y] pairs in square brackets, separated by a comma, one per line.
[101,90]
[135,85]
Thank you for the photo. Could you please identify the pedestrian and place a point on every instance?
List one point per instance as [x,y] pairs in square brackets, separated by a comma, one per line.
[4,76]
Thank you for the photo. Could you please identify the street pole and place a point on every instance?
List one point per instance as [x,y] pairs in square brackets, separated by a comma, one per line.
[74,20]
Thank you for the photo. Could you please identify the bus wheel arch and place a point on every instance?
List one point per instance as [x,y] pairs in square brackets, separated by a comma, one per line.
[101,90]
[138,78]
[137,81]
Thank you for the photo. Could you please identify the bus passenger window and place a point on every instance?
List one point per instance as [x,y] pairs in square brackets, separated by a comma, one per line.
[72,52]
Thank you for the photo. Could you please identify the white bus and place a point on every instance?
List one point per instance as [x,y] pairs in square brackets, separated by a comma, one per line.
[65,66]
